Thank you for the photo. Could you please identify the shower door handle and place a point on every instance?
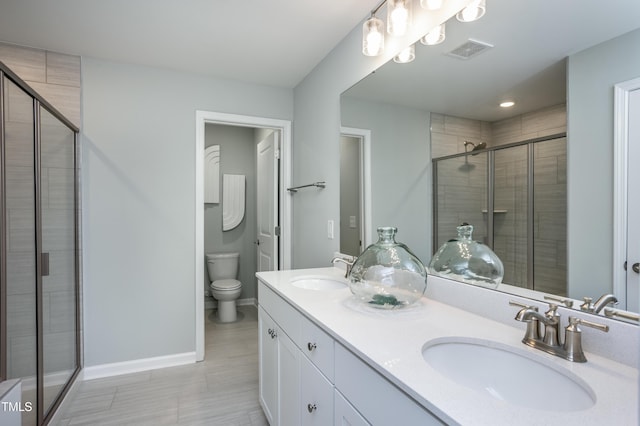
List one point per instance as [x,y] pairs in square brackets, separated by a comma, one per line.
[44,258]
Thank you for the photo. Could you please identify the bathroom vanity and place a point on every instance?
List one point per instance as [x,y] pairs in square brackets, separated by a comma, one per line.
[326,358]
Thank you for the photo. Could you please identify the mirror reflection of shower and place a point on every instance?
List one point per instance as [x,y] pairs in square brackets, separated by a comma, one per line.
[470,166]
[478,147]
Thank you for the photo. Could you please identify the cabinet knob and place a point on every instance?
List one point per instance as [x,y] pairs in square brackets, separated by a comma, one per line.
[311,346]
[272,333]
[311,407]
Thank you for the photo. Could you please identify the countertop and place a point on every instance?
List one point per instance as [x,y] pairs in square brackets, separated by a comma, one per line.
[391,342]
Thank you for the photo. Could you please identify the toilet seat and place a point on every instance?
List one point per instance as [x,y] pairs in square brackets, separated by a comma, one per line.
[226,285]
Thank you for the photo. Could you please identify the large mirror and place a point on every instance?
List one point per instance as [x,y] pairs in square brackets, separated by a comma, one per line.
[559,63]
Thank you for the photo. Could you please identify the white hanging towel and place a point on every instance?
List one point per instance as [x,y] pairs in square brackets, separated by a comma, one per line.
[233,188]
[212,174]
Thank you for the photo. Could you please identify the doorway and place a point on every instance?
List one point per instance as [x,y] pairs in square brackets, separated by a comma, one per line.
[355,190]
[283,203]
[626,207]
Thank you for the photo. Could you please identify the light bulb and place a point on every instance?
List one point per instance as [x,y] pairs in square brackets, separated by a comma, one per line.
[472,12]
[431,4]
[398,17]
[406,55]
[435,36]
[373,37]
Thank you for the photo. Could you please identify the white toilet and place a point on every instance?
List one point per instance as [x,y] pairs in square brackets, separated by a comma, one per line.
[225,288]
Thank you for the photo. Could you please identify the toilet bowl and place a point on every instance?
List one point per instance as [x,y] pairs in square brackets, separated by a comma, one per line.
[225,288]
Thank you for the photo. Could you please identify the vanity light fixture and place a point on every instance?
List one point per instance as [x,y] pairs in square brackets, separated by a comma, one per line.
[435,36]
[474,11]
[432,4]
[398,16]
[507,104]
[399,19]
[406,55]
[373,36]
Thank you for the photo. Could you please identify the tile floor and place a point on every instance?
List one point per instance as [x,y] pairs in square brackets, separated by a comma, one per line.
[221,390]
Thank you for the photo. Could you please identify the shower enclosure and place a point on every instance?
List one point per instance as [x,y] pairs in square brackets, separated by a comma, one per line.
[515,197]
[39,267]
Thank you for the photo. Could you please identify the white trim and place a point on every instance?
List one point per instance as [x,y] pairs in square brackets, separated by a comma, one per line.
[138,365]
[620,171]
[203,117]
[365,191]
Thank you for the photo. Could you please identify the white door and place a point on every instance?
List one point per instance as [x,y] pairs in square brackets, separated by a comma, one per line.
[633,204]
[267,208]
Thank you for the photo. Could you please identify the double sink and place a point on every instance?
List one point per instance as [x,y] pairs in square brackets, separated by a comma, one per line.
[507,373]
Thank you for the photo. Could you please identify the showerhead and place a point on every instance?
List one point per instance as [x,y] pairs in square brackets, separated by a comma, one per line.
[481,145]
[478,147]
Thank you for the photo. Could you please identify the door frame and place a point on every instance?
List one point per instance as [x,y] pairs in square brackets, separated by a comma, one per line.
[284,203]
[620,185]
[366,230]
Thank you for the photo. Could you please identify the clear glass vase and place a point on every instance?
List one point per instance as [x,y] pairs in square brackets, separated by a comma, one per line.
[387,275]
[463,259]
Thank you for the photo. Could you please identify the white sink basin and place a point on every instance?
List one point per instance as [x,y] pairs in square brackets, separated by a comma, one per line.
[319,283]
[509,374]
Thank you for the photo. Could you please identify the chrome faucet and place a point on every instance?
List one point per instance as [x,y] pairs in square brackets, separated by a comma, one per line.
[347,261]
[603,301]
[550,343]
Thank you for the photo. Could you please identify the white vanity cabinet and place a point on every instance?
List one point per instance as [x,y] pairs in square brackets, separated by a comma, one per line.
[307,378]
[279,373]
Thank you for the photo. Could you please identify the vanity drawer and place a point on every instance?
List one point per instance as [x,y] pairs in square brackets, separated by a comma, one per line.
[285,315]
[317,346]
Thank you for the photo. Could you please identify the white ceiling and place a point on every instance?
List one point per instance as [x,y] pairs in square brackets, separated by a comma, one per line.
[527,63]
[270,42]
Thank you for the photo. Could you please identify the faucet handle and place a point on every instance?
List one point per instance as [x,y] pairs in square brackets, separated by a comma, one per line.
[587,306]
[522,305]
[610,313]
[574,322]
[573,338]
[565,301]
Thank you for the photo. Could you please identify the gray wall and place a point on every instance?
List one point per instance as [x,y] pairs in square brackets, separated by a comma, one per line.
[238,157]
[401,174]
[139,202]
[592,74]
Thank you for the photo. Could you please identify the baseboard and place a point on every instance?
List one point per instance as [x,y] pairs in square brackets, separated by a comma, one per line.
[138,365]
[210,303]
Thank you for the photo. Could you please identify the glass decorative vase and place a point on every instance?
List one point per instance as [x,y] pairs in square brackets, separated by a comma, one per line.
[387,275]
[463,259]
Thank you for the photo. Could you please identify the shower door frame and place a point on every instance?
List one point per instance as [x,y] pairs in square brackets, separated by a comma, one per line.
[490,151]
[38,104]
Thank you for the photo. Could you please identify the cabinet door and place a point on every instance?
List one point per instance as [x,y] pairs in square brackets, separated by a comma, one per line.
[345,414]
[316,396]
[289,381]
[268,365]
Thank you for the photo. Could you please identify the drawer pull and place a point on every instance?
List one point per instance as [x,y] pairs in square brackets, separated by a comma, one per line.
[311,346]
[311,408]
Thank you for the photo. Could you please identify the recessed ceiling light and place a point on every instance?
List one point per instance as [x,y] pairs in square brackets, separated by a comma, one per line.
[507,104]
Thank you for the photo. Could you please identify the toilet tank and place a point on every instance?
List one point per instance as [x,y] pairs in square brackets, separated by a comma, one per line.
[222,266]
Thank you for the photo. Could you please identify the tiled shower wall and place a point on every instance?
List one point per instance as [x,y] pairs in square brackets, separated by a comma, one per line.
[56,77]
[462,190]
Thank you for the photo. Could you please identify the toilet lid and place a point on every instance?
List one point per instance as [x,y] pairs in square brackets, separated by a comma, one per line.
[226,284]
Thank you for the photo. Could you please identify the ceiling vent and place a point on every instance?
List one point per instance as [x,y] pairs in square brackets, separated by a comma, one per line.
[469,49]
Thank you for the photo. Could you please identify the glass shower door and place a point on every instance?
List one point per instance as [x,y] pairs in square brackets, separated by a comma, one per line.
[511,213]
[19,260]
[59,292]
[460,195]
